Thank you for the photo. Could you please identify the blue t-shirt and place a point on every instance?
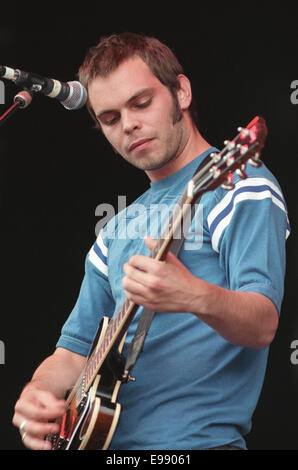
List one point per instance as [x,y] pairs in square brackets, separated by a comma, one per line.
[193,389]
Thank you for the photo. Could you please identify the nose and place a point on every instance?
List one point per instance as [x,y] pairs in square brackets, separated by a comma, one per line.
[130,122]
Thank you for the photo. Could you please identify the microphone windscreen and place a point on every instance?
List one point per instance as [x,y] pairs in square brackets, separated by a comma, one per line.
[77,97]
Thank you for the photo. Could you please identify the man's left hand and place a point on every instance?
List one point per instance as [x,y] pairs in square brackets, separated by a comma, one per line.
[161,286]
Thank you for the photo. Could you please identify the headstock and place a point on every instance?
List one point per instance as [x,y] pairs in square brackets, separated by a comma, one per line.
[245,147]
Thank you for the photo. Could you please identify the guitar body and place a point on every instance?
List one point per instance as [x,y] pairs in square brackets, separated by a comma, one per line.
[90,422]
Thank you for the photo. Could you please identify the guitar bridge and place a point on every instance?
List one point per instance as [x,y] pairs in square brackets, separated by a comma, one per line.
[58,442]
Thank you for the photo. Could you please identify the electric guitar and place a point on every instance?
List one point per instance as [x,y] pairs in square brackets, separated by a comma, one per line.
[92,410]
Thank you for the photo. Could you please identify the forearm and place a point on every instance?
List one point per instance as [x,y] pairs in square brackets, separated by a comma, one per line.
[244,318]
[58,373]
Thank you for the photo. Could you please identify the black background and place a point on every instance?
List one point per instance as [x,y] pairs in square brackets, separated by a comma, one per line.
[55,170]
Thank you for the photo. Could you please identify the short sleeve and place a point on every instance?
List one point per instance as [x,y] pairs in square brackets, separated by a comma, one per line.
[95,300]
[248,227]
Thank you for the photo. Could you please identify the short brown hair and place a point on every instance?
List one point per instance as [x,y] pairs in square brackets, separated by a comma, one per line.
[111,51]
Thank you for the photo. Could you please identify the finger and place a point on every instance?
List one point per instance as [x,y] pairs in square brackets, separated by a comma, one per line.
[140,300]
[40,429]
[139,276]
[35,443]
[146,264]
[36,410]
[42,398]
[33,433]
[172,259]
[132,287]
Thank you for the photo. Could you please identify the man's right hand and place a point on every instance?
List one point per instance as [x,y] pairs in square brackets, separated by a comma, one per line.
[33,411]
[42,399]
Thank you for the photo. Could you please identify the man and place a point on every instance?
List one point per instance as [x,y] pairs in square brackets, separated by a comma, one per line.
[217,304]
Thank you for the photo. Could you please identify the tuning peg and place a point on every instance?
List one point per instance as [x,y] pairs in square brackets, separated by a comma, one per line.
[228,183]
[215,157]
[254,161]
[242,148]
[215,172]
[243,131]
[230,161]
[230,144]
[241,172]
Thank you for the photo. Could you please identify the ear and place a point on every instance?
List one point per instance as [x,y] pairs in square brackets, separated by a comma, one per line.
[184,93]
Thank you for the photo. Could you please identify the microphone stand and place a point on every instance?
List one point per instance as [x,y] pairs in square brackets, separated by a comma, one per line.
[21,101]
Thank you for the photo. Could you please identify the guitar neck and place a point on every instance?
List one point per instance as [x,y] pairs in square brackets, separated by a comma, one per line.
[119,323]
[175,228]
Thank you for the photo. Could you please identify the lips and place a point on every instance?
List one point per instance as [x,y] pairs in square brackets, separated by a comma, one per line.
[138,143]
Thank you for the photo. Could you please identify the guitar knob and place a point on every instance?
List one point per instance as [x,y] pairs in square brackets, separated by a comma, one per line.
[126,377]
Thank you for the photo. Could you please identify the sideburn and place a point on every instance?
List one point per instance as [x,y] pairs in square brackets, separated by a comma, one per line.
[177,113]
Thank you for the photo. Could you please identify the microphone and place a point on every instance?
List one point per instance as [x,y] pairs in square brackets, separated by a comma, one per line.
[72,95]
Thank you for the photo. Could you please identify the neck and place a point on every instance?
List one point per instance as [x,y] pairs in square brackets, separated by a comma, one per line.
[194,145]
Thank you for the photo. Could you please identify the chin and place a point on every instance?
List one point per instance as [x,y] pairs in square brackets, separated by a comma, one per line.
[147,164]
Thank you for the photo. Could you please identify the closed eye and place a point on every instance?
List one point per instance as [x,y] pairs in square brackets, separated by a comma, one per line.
[144,104]
[109,118]
[110,122]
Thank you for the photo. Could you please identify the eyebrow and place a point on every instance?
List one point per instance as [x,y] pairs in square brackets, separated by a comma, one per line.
[138,94]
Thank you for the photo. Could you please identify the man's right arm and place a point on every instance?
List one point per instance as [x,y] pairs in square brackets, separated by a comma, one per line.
[42,399]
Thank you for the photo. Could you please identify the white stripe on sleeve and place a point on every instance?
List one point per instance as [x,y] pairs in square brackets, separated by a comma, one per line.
[249,189]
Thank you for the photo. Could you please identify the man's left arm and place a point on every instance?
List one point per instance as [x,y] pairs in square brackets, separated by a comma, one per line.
[247,319]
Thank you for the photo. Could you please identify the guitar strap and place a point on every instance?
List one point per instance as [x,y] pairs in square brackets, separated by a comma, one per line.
[136,346]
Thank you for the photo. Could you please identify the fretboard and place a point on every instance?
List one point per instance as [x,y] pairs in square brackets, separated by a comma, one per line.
[119,323]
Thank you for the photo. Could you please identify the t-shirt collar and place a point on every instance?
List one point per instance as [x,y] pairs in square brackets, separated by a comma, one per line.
[184,173]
